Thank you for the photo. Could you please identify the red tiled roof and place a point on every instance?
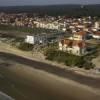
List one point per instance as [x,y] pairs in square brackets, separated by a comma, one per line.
[81,44]
[97,33]
[81,33]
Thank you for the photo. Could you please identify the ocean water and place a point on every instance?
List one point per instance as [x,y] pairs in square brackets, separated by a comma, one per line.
[4,96]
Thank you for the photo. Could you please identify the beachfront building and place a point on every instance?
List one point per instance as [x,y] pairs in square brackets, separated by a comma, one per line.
[96,35]
[36,39]
[80,36]
[96,25]
[43,38]
[75,47]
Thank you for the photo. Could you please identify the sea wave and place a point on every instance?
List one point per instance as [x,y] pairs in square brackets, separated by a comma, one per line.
[4,96]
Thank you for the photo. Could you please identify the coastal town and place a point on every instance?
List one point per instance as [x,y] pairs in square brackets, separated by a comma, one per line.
[49,50]
[61,23]
[77,36]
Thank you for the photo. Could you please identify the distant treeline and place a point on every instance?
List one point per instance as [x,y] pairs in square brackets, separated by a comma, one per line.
[55,10]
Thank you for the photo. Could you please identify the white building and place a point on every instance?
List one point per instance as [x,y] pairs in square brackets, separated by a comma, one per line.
[96,35]
[73,47]
[39,39]
[96,25]
[79,36]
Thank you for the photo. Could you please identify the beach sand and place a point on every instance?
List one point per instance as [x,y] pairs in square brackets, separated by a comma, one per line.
[23,81]
[32,84]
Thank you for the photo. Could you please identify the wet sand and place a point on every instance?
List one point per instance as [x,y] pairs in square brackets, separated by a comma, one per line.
[24,79]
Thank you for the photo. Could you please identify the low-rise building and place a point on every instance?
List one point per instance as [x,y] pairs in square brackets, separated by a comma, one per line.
[96,35]
[35,39]
[82,35]
[73,46]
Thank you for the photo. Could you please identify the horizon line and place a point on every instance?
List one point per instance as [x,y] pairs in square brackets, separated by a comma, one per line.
[47,5]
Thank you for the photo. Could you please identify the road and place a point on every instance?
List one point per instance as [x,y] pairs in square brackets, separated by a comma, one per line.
[25,79]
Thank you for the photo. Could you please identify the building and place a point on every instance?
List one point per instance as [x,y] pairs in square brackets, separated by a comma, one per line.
[96,26]
[36,39]
[96,35]
[75,47]
[43,38]
[82,35]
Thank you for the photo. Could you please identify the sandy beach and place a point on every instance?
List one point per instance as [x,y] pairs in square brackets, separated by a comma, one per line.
[25,79]
[36,56]
[32,84]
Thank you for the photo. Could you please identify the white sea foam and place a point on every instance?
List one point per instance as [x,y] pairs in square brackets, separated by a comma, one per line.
[4,96]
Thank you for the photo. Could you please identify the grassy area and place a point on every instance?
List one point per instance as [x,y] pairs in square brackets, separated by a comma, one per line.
[68,59]
[25,46]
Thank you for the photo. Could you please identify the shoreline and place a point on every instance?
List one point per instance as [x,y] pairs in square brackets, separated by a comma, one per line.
[28,74]
[36,56]
[4,96]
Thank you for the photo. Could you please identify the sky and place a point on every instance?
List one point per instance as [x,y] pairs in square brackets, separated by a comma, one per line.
[45,2]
